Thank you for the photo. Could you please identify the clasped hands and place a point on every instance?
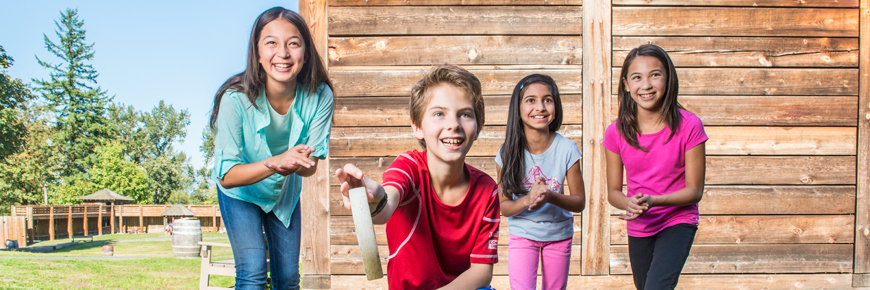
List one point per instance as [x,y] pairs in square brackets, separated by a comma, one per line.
[636,206]
[292,160]
[539,194]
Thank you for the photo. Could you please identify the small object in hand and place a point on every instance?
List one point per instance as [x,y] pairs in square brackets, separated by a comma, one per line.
[365,233]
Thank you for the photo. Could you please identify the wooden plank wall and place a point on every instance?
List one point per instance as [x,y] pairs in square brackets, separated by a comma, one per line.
[776,83]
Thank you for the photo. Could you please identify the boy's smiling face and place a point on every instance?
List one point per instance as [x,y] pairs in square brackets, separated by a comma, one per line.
[449,125]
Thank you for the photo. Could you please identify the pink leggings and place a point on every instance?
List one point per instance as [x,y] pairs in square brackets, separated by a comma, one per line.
[523,255]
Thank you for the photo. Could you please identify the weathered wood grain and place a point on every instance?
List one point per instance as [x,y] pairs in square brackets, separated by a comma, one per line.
[398,82]
[862,215]
[746,3]
[772,110]
[342,231]
[460,50]
[763,22]
[764,81]
[756,200]
[790,200]
[818,170]
[838,111]
[746,51]
[314,247]
[453,20]
[386,141]
[450,2]
[346,260]
[732,259]
[596,75]
[687,281]
[394,111]
[790,229]
[781,140]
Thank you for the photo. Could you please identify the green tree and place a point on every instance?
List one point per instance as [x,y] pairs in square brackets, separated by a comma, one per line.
[79,106]
[14,95]
[116,172]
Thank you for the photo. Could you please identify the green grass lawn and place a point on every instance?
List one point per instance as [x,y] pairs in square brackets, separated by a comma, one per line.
[155,267]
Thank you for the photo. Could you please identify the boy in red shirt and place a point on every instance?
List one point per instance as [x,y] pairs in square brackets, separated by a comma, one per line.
[442,214]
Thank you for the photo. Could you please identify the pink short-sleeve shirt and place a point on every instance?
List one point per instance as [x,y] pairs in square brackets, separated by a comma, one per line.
[661,170]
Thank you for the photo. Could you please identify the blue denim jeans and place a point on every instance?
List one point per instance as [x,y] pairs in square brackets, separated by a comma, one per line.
[246,223]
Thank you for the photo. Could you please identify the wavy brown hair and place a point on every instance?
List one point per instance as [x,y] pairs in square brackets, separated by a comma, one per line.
[627,120]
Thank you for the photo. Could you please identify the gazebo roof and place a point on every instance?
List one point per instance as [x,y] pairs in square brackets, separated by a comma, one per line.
[105,195]
[177,210]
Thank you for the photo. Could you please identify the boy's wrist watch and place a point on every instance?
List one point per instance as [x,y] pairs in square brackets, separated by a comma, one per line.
[381,205]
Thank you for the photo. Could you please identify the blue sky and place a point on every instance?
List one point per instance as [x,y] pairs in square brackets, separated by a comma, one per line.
[146,51]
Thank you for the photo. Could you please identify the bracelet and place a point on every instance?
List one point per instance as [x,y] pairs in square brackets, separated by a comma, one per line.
[381,205]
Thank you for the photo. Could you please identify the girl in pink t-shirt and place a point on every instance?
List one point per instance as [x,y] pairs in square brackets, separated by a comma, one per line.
[661,148]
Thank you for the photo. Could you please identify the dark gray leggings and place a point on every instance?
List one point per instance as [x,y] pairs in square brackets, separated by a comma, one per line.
[656,261]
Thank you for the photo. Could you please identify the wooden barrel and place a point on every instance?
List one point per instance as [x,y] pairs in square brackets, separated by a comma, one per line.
[108,250]
[186,233]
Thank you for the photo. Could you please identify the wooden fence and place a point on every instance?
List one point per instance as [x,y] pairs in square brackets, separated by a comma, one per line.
[46,222]
[782,87]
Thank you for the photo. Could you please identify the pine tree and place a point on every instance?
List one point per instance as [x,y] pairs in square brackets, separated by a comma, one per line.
[80,107]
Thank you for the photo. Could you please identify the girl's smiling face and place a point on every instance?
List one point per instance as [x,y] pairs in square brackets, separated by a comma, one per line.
[646,81]
[281,52]
[537,107]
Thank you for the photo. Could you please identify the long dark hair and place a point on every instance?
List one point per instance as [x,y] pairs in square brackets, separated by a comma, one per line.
[251,80]
[627,120]
[512,154]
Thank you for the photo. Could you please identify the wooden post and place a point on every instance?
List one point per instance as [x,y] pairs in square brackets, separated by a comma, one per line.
[141,215]
[51,223]
[112,216]
[100,220]
[121,228]
[315,252]
[85,219]
[862,199]
[597,35]
[597,30]
[214,219]
[30,231]
[69,223]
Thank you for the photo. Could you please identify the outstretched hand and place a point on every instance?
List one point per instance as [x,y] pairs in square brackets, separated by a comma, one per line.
[353,177]
[539,194]
[292,160]
[636,207]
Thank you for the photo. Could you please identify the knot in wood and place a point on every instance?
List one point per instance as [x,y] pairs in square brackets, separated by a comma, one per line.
[806,179]
[472,54]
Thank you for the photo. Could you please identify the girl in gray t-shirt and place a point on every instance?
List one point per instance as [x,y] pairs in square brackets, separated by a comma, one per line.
[533,164]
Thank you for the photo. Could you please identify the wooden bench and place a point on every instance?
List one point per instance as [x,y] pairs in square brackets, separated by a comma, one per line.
[219,268]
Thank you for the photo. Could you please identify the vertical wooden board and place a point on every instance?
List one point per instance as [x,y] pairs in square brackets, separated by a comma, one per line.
[453,20]
[596,105]
[862,214]
[314,252]
[703,21]
[746,51]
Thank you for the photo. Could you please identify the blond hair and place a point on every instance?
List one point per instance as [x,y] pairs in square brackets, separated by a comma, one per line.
[446,74]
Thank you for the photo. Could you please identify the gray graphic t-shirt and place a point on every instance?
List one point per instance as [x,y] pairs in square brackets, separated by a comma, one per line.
[548,223]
